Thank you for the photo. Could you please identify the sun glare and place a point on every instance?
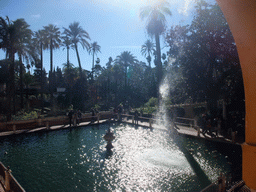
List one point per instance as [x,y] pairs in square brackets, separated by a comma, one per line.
[130,3]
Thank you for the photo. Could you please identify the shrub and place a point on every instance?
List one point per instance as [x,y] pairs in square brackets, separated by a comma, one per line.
[152,102]
[21,115]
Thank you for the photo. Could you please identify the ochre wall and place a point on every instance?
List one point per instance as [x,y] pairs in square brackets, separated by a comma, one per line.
[241,17]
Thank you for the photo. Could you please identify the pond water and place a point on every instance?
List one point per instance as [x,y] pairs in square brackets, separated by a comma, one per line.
[141,160]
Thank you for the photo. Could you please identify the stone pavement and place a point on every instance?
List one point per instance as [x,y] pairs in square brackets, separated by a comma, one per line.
[185,131]
[182,130]
[55,127]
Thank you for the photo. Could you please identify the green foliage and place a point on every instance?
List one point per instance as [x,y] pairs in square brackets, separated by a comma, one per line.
[204,67]
[151,106]
[204,57]
[149,110]
[152,102]
[97,107]
[21,115]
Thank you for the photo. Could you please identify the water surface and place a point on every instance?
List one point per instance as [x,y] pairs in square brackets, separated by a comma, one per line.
[142,159]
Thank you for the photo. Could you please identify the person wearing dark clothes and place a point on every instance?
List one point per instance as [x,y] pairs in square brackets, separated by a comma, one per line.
[136,117]
[79,116]
[93,114]
[203,123]
[120,111]
[70,115]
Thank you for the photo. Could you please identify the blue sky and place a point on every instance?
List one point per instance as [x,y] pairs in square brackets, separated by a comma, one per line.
[114,24]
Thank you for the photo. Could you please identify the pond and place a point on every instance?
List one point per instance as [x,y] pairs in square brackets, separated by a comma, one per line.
[141,160]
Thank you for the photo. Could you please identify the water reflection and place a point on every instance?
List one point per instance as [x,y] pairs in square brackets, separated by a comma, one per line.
[77,160]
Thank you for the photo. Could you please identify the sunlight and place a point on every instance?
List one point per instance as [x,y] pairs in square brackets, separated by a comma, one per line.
[122,3]
[134,3]
[188,4]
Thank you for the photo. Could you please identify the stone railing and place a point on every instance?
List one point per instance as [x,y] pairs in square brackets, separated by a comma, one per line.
[50,121]
[8,182]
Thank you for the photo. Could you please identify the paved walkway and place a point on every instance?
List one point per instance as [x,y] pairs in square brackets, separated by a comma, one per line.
[182,130]
[55,127]
[185,131]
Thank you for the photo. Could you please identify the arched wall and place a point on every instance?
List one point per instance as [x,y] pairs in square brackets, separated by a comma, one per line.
[241,17]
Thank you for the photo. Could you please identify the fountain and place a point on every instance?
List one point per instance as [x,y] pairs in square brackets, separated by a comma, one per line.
[77,160]
[109,137]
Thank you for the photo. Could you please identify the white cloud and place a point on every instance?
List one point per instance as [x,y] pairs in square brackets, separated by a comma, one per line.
[188,4]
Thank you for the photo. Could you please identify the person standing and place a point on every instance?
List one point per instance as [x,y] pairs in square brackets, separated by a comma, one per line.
[70,115]
[203,123]
[79,116]
[136,115]
[93,114]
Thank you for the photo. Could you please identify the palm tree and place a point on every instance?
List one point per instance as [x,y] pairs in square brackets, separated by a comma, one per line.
[23,48]
[15,37]
[77,35]
[118,73]
[66,42]
[7,43]
[147,49]
[53,42]
[4,34]
[39,42]
[126,59]
[94,49]
[156,24]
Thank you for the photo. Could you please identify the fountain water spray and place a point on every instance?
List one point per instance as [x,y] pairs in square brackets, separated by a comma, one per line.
[164,95]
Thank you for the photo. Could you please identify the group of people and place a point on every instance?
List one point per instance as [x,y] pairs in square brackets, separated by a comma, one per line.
[209,125]
[74,116]
[119,110]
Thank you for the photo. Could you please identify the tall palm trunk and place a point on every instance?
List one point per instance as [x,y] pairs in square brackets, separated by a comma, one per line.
[11,87]
[92,65]
[158,59]
[41,78]
[67,55]
[125,78]
[51,55]
[79,62]
[69,87]
[92,60]
[51,74]
[21,82]
[149,59]
[82,79]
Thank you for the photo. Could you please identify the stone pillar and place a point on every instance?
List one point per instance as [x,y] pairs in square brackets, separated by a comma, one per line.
[222,183]
[14,127]
[47,125]
[233,136]
[39,122]
[98,118]
[150,123]
[197,127]
[7,179]
[75,122]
